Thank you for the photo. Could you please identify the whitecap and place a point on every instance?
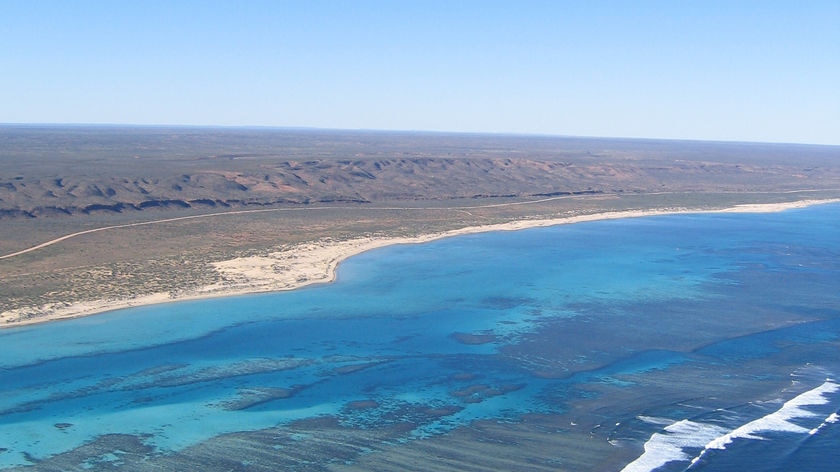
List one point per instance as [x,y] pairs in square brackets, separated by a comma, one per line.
[655,420]
[832,418]
[669,445]
[779,420]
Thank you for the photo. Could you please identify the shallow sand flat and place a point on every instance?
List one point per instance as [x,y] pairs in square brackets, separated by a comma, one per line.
[315,262]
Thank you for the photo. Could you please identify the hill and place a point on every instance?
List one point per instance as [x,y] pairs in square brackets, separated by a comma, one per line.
[60,171]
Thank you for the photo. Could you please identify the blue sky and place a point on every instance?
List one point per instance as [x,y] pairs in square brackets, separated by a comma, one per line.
[719,70]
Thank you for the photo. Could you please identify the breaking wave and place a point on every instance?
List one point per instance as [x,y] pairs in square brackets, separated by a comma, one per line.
[676,441]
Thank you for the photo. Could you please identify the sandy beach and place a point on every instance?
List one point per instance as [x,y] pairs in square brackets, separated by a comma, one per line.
[296,266]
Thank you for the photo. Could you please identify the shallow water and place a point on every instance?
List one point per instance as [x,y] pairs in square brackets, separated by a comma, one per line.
[622,335]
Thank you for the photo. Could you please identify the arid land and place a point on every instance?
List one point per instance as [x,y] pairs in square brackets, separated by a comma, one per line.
[98,218]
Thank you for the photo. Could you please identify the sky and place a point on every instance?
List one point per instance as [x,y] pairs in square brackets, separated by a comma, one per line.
[731,70]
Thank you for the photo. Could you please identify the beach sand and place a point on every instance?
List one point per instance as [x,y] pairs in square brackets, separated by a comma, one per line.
[315,262]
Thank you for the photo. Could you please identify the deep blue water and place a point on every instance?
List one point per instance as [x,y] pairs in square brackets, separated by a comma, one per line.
[662,334]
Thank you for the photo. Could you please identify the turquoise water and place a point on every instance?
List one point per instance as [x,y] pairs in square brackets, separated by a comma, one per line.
[662,334]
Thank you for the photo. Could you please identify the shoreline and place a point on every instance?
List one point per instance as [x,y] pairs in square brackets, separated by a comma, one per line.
[316,262]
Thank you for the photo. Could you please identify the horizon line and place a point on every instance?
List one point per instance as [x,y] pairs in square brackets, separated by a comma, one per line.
[391,131]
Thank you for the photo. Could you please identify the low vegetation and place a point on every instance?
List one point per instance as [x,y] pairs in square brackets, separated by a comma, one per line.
[312,185]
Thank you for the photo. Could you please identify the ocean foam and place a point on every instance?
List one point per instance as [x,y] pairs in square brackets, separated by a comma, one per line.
[669,445]
[655,420]
[832,418]
[779,421]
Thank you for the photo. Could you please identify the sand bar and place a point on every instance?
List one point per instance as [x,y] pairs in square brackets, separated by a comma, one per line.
[299,265]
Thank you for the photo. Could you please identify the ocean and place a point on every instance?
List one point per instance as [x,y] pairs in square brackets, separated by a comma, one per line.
[702,342]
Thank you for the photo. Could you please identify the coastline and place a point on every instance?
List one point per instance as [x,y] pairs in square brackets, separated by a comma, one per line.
[295,266]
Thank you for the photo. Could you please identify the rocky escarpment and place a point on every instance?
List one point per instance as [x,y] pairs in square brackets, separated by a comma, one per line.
[369,180]
[61,171]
